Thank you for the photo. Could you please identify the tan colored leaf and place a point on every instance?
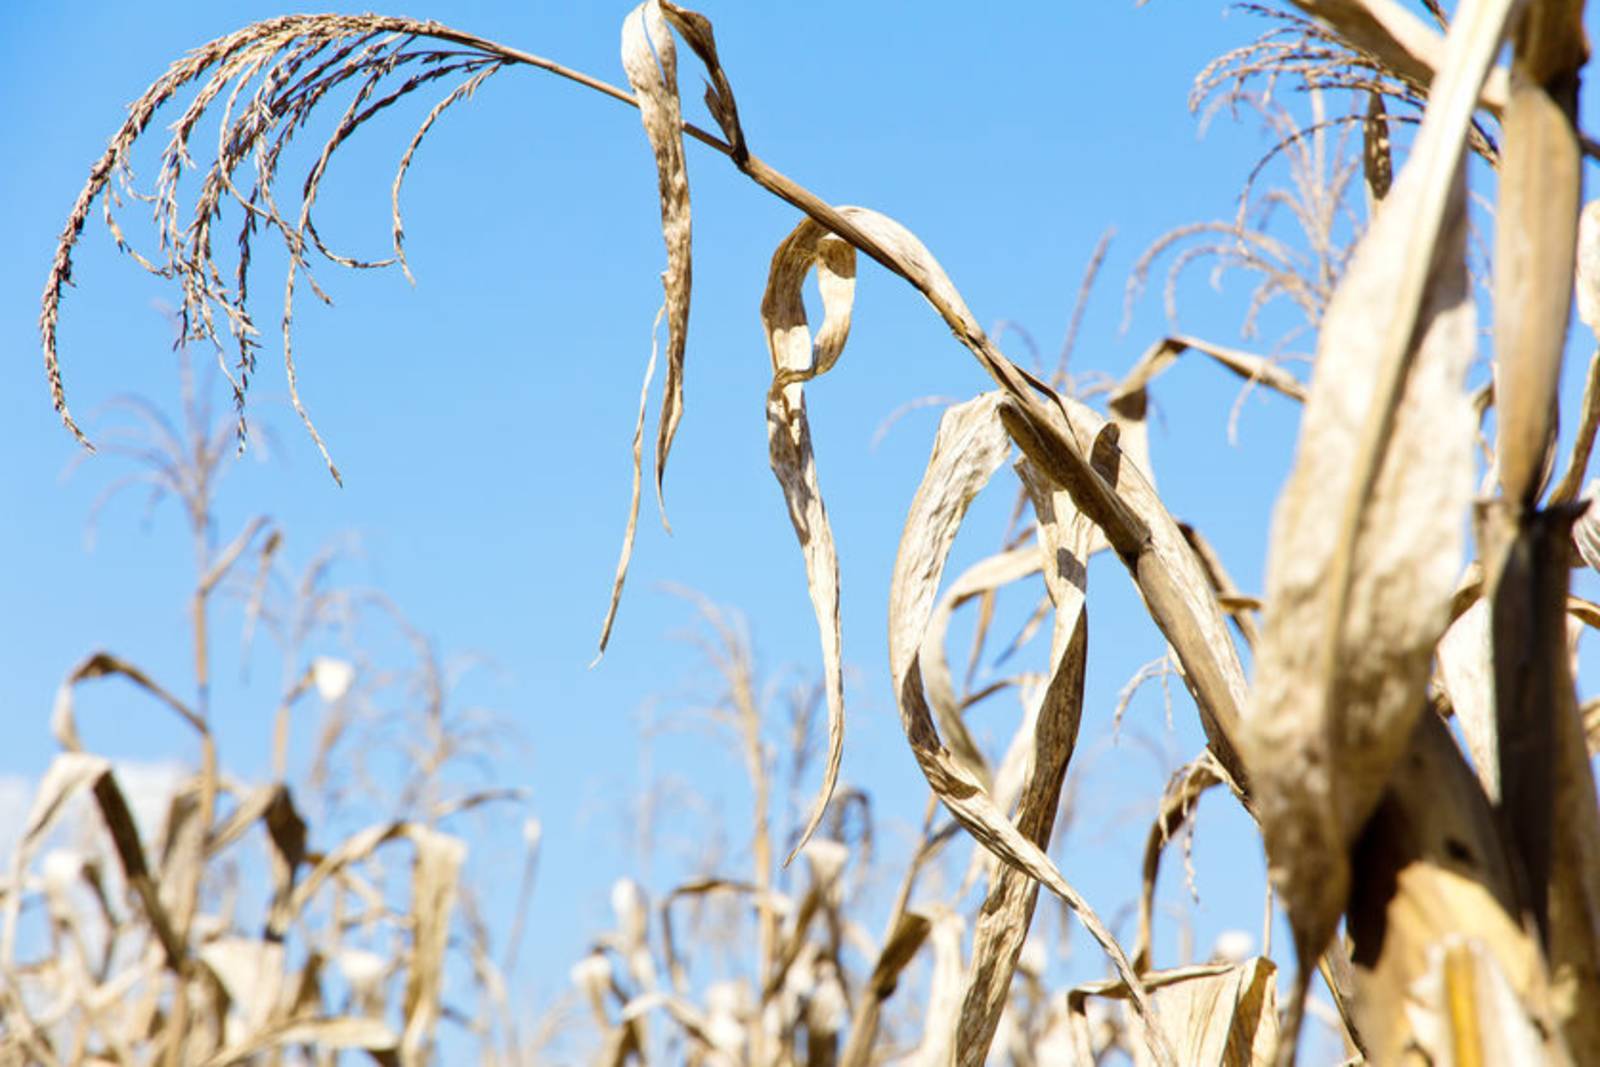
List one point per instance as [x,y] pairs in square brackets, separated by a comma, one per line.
[1547,788]
[940,1041]
[696,31]
[1178,801]
[1465,1012]
[1129,401]
[632,527]
[794,361]
[251,970]
[339,1032]
[435,881]
[1433,867]
[1587,272]
[1079,452]
[983,577]
[970,446]
[1223,1014]
[1536,222]
[70,773]
[1366,542]
[1066,538]
[899,949]
[1466,670]
[1583,441]
[124,833]
[651,61]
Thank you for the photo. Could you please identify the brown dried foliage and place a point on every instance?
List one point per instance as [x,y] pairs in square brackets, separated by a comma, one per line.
[1468,892]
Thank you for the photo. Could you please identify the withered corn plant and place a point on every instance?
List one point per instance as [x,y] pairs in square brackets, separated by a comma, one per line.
[279,920]
[1449,893]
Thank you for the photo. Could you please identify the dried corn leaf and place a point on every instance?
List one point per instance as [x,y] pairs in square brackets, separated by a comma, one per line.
[339,1032]
[251,971]
[970,446]
[118,819]
[1066,538]
[651,61]
[1237,605]
[1178,801]
[435,880]
[1574,900]
[939,1036]
[794,361]
[686,1015]
[982,578]
[1589,422]
[1466,672]
[1223,1014]
[1433,865]
[904,942]
[632,528]
[1130,400]
[63,714]
[1586,271]
[1465,1012]
[1536,224]
[1079,452]
[1359,592]
[1547,796]
[69,774]
[696,31]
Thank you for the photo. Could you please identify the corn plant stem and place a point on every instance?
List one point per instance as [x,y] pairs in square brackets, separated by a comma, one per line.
[756,766]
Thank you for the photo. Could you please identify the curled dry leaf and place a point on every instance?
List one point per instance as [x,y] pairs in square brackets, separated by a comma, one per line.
[1079,452]
[696,31]
[632,527]
[651,61]
[971,445]
[1066,538]
[796,360]
[1178,802]
[1129,401]
[1367,536]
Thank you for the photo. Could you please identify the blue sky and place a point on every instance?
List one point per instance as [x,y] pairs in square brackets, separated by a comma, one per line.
[482,418]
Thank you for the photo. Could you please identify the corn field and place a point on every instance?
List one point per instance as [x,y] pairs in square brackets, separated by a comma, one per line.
[1396,710]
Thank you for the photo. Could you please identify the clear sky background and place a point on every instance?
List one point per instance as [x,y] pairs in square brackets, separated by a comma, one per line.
[482,418]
